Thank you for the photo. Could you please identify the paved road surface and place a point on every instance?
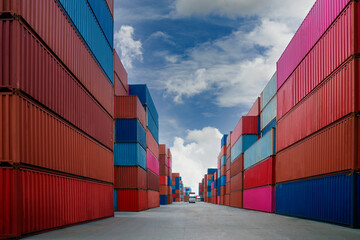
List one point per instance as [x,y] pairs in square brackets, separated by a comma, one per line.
[202,221]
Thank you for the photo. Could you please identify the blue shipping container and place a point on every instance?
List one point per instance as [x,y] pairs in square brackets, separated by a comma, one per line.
[223,161]
[241,145]
[268,92]
[115,200]
[261,150]
[268,114]
[130,131]
[129,154]
[223,181]
[104,18]
[209,194]
[271,125]
[330,199]
[153,128]
[211,171]
[223,140]
[84,21]
[169,181]
[163,199]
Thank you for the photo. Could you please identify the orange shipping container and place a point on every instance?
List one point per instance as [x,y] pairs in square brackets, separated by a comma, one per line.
[236,199]
[237,166]
[236,183]
[130,177]
[163,190]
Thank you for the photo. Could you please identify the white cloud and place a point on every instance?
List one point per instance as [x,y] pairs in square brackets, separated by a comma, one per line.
[196,153]
[128,48]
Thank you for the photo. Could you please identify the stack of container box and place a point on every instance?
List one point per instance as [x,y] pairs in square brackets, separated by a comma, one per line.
[201,190]
[176,187]
[56,101]
[164,187]
[210,181]
[187,194]
[317,130]
[222,158]
[227,170]
[259,159]
[169,174]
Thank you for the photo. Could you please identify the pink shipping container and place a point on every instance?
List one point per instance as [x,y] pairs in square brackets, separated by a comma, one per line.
[64,41]
[246,125]
[28,65]
[152,162]
[320,17]
[336,46]
[260,199]
[255,109]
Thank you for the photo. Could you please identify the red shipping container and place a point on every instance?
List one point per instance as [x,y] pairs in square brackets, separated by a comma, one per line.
[236,199]
[129,107]
[334,48]
[131,200]
[151,144]
[330,150]
[163,170]
[236,183]
[255,109]
[162,150]
[120,72]
[119,89]
[163,180]
[33,201]
[227,200]
[163,190]
[228,187]
[223,171]
[228,162]
[222,190]
[223,151]
[320,17]
[246,125]
[30,135]
[152,180]
[262,174]
[26,64]
[42,16]
[130,177]
[237,166]
[340,96]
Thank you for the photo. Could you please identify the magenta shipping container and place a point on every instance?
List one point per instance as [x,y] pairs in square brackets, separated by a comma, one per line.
[320,17]
[152,162]
[260,199]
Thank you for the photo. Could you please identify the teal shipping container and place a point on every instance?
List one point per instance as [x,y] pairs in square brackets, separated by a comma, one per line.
[268,114]
[268,93]
[129,154]
[241,145]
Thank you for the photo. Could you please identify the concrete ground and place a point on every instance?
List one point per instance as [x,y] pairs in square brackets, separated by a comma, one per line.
[201,221]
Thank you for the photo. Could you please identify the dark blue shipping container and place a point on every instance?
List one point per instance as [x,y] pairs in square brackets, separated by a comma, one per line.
[169,181]
[209,188]
[130,131]
[223,140]
[104,18]
[173,191]
[129,154]
[115,200]
[177,183]
[84,21]
[218,191]
[152,127]
[163,199]
[211,171]
[332,199]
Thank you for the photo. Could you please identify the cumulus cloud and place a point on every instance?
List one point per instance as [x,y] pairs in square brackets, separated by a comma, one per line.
[129,49]
[196,153]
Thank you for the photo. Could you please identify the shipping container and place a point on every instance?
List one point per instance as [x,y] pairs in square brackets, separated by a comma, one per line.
[236,199]
[110,4]
[152,162]
[163,189]
[121,87]
[268,93]
[152,180]
[227,200]
[330,150]
[244,142]
[34,201]
[130,131]
[260,199]
[131,200]
[271,125]
[129,154]
[334,99]
[26,64]
[132,177]
[33,136]
[246,126]
[236,183]
[163,180]
[261,150]
[152,145]
[319,19]
[268,113]
[42,15]
[129,107]
[262,174]
[237,166]
[335,47]
[223,141]
[255,109]
[151,124]
[332,199]
[164,200]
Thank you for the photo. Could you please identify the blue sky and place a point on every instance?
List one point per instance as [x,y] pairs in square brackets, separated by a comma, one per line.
[205,62]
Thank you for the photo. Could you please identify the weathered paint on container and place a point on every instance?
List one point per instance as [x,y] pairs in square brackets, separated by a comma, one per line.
[153,199]
[335,47]
[152,145]
[129,107]
[33,201]
[269,113]
[268,93]
[236,199]
[244,142]
[120,72]
[330,150]
[152,180]
[152,162]
[271,125]
[262,174]
[260,199]
[132,177]
[331,199]
[255,109]
[130,131]
[246,126]
[131,200]
[334,99]
[236,183]
[27,65]
[129,154]
[260,150]
[237,166]
[33,136]
[320,17]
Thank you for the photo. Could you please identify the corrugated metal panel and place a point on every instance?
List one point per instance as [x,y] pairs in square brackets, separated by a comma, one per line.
[31,135]
[152,145]
[320,17]
[131,200]
[236,199]
[269,113]
[326,198]
[237,166]
[34,201]
[129,154]
[246,125]
[333,100]
[152,162]
[268,93]
[261,150]
[104,18]
[120,71]
[27,65]
[261,199]
[236,183]
[130,177]
[130,131]
[152,126]
[244,142]
[84,21]
[255,109]
[337,45]
[328,151]
[271,125]
[129,107]
[152,180]
[262,174]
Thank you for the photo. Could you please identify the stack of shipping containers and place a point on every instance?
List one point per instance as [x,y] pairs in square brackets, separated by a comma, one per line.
[165,172]
[222,167]
[169,175]
[201,190]
[176,186]
[317,130]
[57,113]
[227,171]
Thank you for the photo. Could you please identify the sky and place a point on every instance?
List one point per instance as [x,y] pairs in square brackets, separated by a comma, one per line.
[205,63]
